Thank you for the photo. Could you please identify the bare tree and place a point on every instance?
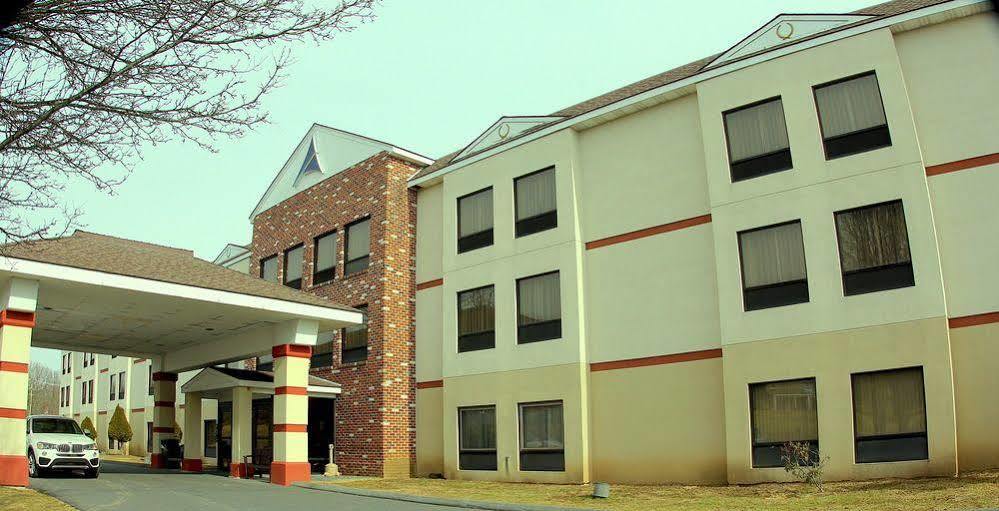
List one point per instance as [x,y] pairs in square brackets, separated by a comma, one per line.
[86,84]
[43,390]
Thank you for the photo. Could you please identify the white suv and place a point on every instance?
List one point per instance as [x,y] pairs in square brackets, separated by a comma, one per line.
[58,443]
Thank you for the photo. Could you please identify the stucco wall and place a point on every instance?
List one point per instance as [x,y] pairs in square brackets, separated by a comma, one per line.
[429,431]
[975,351]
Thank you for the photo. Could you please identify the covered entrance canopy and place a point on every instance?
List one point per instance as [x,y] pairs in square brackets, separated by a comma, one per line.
[96,293]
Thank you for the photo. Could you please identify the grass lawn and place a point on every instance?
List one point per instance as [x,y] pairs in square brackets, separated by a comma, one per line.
[970,491]
[20,499]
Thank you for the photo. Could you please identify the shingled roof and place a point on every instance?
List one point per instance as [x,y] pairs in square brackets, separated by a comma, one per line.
[686,71]
[119,256]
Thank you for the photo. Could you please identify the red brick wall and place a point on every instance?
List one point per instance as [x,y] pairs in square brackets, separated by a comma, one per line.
[375,414]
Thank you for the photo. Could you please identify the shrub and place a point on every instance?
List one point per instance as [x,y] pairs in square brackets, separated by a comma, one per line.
[803,462]
[88,427]
[118,428]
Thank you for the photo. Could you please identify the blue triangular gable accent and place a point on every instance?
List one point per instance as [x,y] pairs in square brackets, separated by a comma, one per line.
[311,163]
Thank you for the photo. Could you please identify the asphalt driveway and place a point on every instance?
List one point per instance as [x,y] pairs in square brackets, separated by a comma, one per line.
[129,487]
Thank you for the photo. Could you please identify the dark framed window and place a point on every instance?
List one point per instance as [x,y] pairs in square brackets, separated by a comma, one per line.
[851,115]
[539,308]
[874,248]
[322,355]
[83,393]
[477,319]
[85,360]
[121,385]
[324,258]
[477,438]
[112,388]
[211,438]
[542,437]
[265,363]
[773,266]
[90,392]
[475,220]
[294,257]
[889,415]
[357,239]
[149,375]
[536,206]
[355,340]
[782,412]
[92,356]
[756,137]
[269,269]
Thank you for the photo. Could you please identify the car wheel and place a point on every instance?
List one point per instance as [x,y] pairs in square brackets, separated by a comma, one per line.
[33,469]
[92,474]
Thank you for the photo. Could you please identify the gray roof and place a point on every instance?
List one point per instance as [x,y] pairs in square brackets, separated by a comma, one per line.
[268,377]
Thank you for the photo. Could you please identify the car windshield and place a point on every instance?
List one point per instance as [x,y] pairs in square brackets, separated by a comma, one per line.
[64,426]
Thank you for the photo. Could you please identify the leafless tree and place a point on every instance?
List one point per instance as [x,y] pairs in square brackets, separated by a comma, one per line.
[43,390]
[86,84]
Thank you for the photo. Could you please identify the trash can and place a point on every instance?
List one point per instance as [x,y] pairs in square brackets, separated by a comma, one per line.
[172,452]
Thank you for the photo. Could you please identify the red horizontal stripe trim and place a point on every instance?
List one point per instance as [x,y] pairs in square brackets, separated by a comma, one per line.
[651,231]
[138,410]
[164,404]
[658,360]
[13,367]
[429,284]
[77,378]
[102,412]
[104,370]
[162,429]
[13,413]
[969,163]
[291,428]
[432,384]
[161,376]
[292,350]
[295,391]
[974,320]
[17,318]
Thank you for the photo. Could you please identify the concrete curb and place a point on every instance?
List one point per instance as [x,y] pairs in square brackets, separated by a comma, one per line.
[433,501]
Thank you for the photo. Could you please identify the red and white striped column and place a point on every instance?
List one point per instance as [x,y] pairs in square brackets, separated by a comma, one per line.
[164,402]
[291,414]
[17,318]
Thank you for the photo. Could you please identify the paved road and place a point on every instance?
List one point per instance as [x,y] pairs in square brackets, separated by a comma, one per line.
[128,487]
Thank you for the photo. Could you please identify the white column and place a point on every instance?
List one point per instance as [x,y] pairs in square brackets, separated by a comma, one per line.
[17,318]
[194,447]
[291,403]
[242,430]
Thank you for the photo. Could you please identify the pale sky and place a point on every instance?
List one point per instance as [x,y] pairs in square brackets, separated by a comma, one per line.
[428,76]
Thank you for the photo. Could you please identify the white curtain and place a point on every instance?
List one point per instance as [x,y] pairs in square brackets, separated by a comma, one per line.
[873,237]
[326,252]
[784,411]
[293,264]
[756,130]
[772,255]
[475,213]
[850,106]
[478,428]
[541,426]
[890,402]
[476,311]
[540,299]
[358,240]
[536,194]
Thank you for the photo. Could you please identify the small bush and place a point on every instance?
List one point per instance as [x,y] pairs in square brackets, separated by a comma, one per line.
[118,428]
[88,428]
[803,462]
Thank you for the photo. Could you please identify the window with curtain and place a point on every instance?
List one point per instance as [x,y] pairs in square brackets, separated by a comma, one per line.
[322,355]
[874,248]
[269,269]
[112,387]
[358,243]
[324,258]
[781,412]
[773,266]
[757,139]
[539,308]
[889,416]
[265,363]
[355,340]
[475,220]
[534,195]
[477,319]
[293,260]
[852,116]
[121,385]
[542,445]
[477,438]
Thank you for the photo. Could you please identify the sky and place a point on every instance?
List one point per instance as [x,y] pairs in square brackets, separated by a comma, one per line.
[428,76]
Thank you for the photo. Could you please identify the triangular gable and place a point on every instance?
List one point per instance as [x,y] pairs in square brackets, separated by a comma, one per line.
[786,28]
[504,129]
[311,161]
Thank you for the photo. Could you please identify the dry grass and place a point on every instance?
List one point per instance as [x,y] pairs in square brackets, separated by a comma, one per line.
[23,499]
[970,491]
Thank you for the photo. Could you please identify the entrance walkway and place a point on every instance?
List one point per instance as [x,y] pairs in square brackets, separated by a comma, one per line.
[129,487]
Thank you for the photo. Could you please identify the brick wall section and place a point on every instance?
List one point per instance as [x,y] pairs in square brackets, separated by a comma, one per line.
[376,413]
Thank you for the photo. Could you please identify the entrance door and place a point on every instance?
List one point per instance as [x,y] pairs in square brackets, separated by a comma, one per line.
[224,435]
[321,430]
[263,430]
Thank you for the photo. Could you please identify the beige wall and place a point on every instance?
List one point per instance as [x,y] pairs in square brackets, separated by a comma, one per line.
[659,423]
[831,358]
[429,431]
[976,380]
[429,233]
[429,334]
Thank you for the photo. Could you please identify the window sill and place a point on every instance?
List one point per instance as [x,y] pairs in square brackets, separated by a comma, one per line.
[355,363]
[322,284]
[352,275]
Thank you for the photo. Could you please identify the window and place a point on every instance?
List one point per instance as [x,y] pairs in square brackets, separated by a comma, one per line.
[476,319]
[757,140]
[84,360]
[324,255]
[265,363]
[889,416]
[149,436]
[90,391]
[874,248]
[112,388]
[534,195]
[477,438]
[539,308]
[149,375]
[211,438]
[475,220]
[311,162]
[542,447]
[782,412]
[121,385]
[83,393]
[852,116]
[92,359]
[322,355]
[358,241]
[773,266]
[293,259]
[355,340]
[269,269]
